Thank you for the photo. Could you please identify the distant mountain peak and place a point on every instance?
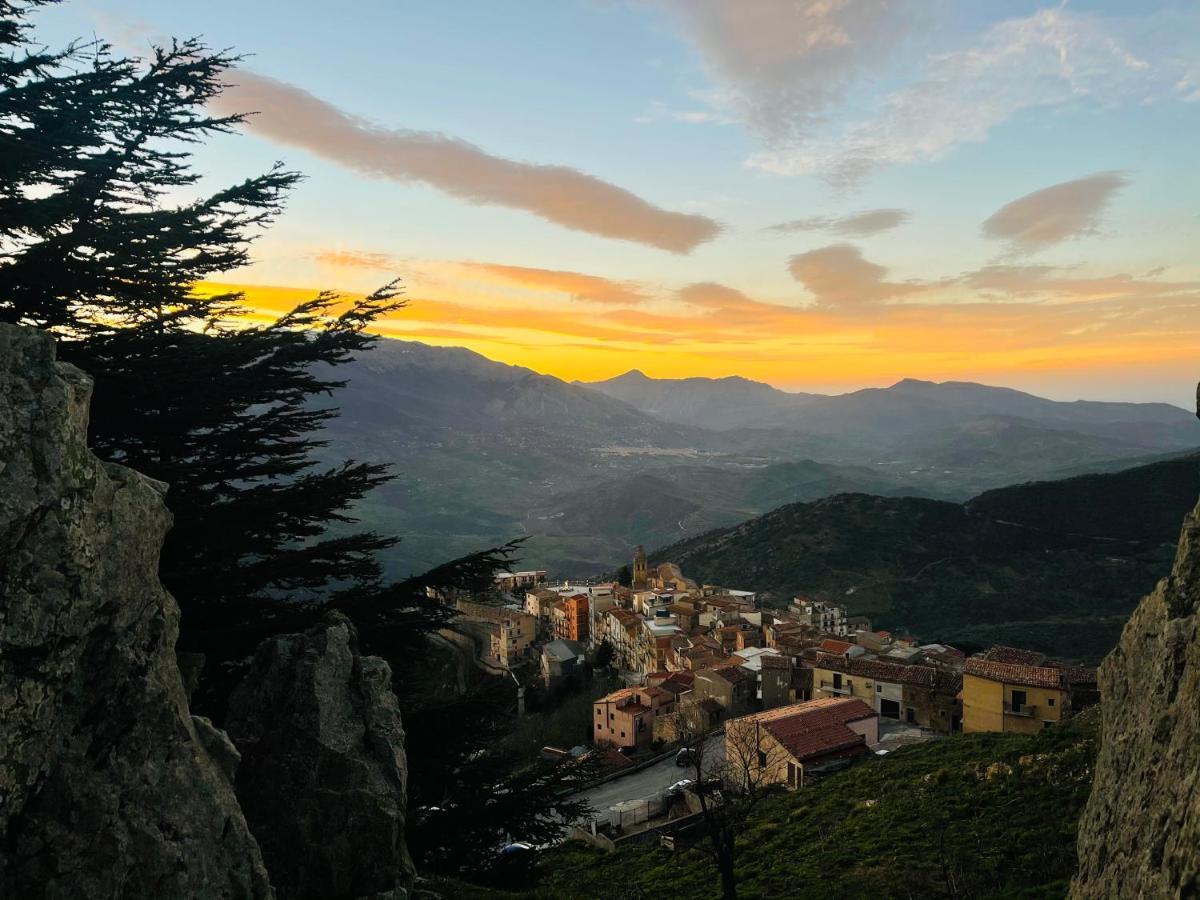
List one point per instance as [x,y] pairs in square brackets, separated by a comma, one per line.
[914,383]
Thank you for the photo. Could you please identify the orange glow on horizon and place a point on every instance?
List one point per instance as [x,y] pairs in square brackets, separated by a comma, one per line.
[713,334]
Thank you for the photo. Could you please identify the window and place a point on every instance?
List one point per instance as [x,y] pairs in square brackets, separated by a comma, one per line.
[762,759]
[1049,701]
[837,681]
[1047,724]
[599,727]
[1019,699]
[599,712]
[910,715]
[622,734]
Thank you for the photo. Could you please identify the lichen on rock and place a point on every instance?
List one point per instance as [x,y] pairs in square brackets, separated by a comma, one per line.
[106,787]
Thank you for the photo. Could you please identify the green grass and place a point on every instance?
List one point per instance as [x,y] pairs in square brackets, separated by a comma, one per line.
[897,826]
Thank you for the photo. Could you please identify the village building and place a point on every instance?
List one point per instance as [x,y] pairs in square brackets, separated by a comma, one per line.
[999,696]
[844,649]
[622,628]
[562,659]
[730,688]
[625,718]
[919,695]
[517,581]
[775,684]
[570,619]
[511,638]
[827,618]
[777,746]
[538,602]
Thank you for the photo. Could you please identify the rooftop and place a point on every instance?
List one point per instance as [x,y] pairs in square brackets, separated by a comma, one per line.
[1014,656]
[878,670]
[837,648]
[814,728]
[1009,673]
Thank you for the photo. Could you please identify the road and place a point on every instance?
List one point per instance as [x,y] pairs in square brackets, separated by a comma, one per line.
[652,779]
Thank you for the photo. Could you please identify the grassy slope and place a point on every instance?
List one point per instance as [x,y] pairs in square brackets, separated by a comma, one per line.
[889,827]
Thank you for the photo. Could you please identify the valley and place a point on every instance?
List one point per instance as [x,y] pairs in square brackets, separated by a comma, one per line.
[485,452]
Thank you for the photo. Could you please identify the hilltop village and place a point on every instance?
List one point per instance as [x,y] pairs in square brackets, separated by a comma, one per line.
[717,654]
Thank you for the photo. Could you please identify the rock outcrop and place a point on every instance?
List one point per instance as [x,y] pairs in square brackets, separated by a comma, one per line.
[323,775]
[1140,832]
[108,787]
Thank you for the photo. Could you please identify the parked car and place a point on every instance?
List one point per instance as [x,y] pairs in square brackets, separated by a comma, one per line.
[514,863]
[685,757]
[679,787]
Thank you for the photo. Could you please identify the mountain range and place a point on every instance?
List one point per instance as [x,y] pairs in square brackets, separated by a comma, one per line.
[484,452]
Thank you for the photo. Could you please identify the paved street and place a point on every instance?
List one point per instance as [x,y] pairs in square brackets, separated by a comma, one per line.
[652,779]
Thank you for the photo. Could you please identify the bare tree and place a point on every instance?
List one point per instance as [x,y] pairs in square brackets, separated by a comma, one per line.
[733,772]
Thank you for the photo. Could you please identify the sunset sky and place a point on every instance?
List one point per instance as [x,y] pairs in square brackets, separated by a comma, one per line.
[820,194]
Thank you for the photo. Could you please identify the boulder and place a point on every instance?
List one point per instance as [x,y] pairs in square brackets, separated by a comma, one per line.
[1140,831]
[323,774]
[106,786]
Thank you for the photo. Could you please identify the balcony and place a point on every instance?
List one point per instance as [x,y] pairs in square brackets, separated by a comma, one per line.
[1023,710]
[828,687]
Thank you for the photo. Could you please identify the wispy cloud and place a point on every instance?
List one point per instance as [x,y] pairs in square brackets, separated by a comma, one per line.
[1061,212]
[576,285]
[356,259]
[786,63]
[860,224]
[559,194]
[782,63]
[838,275]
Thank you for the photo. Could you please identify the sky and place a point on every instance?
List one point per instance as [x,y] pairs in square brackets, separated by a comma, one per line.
[819,194]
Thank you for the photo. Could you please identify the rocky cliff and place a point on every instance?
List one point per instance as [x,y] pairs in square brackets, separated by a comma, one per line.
[108,787]
[322,777]
[1140,832]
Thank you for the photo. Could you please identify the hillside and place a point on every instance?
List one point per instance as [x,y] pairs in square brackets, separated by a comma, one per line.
[485,452]
[906,825]
[1055,566]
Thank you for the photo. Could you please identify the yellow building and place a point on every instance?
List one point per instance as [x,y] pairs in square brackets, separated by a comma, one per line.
[1011,697]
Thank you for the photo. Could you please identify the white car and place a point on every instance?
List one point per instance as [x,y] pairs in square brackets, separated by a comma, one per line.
[679,787]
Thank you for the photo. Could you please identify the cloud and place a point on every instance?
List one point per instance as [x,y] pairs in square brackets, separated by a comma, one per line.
[1071,209]
[591,288]
[1048,59]
[838,275]
[356,259]
[783,63]
[559,194]
[860,224]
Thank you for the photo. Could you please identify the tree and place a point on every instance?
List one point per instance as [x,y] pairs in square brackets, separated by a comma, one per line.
[472,791]
[732,775]
[97,247]
[604,655]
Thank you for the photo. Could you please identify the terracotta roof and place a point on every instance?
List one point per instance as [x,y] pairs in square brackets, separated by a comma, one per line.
[1007,673]
[1014,656]
[879,670]
[815,728]
[829,645]
[769,661]
[1079,675]
[733,674]
[625,616]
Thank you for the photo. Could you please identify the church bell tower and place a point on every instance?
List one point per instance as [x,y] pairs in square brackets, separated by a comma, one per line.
[640,581]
